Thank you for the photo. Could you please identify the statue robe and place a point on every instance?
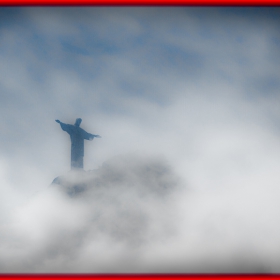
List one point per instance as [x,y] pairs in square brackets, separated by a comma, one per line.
[77,136]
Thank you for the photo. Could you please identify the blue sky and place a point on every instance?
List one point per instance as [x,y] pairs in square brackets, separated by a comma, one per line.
[197,86]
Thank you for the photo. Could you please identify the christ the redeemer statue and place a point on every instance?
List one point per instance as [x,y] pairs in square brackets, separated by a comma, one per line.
[77,136]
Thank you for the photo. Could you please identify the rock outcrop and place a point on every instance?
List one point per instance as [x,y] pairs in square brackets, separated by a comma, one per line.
[146,176]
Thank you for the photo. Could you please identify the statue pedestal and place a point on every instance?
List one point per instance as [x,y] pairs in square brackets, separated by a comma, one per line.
[73,182]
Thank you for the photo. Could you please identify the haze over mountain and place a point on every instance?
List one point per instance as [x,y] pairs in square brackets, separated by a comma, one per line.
[186,175]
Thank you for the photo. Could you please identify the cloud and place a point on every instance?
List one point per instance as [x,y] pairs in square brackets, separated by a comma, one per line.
[127,204]
[134,214]
[198,87]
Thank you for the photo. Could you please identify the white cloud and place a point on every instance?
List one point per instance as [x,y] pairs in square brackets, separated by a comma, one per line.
[195,87]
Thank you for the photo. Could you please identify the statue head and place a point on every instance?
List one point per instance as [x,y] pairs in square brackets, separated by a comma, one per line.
[78,122]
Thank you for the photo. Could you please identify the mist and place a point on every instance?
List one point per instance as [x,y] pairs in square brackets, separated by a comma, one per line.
[185,178]
[135,214]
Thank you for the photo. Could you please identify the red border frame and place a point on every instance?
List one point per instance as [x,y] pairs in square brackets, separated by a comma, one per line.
[138,3]
[139,276]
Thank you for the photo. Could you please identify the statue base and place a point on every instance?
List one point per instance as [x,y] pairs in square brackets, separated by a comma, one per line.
[73,182]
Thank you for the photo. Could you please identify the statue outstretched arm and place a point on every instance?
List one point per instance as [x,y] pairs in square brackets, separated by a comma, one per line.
[91,136]
[64,126]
